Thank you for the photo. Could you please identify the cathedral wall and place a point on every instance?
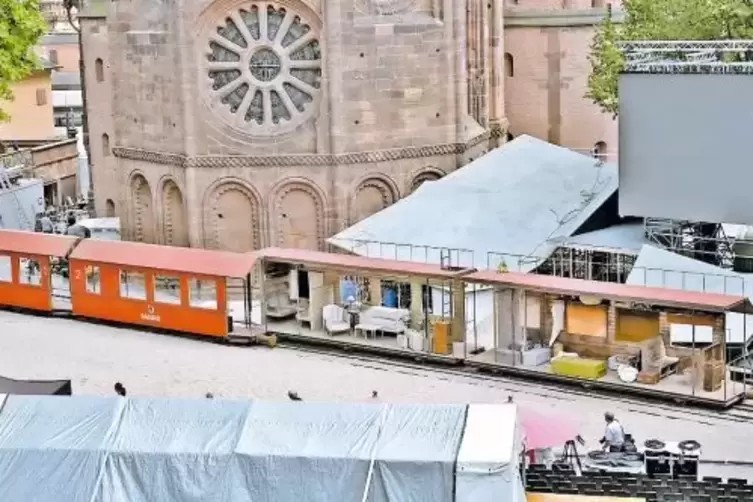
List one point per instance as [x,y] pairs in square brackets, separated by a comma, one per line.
[99,77]
[144,59]
[546,77]
[392,73]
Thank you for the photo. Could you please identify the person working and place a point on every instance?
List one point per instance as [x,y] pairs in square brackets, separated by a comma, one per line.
[614,435]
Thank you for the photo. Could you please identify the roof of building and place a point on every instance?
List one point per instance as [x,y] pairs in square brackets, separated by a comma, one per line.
[31,243]
[66,79]
[510,202]
[657,267]
[59,39]
[627,238]
[358,263]
[167,258]
[692,300]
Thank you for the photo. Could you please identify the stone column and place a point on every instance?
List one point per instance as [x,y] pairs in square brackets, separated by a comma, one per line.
[497,120]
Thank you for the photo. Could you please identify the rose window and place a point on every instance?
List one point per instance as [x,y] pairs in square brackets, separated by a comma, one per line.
[264,66]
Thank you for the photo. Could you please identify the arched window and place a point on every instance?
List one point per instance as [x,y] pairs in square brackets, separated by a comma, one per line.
[509,65]
[109,208]
[600,151]
[105,145]
[99,70]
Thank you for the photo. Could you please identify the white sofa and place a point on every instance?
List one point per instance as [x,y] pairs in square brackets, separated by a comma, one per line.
[384,319]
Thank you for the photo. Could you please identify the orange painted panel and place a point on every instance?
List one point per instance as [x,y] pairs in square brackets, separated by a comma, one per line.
[556,497]
[28,296]
[108,304]
[588,320]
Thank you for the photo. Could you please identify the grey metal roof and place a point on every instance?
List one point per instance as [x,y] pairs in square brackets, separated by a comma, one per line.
[508,204]
[627,238]
[59,39]
[68,79]
[661,268]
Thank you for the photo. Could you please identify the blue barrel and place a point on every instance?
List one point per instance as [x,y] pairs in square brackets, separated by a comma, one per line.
[348,289]
[389,297]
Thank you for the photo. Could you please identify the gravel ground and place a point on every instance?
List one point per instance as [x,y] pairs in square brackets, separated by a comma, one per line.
[95,356]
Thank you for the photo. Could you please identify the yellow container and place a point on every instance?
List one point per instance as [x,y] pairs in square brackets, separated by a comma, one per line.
[579,367]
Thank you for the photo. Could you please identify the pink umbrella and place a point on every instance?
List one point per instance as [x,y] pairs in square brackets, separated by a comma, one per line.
[541,430]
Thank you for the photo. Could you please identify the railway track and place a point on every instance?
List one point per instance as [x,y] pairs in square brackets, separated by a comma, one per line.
[741,413]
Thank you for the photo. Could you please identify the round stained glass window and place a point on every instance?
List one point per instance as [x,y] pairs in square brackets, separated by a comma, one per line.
[264,68]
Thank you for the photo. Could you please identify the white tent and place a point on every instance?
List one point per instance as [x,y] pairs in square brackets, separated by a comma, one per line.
[94,449]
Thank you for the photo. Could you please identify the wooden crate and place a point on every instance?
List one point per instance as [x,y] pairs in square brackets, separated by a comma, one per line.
[713,375]
[649,377]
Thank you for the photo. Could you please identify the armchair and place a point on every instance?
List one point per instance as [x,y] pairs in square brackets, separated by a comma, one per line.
[335,319]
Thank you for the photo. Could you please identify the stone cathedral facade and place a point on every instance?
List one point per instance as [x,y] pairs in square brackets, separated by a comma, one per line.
[239,124]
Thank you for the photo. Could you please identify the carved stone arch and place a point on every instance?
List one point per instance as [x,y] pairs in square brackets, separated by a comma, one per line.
[232,216]
[298,214]
[424,175]
[372,194]
[174,217]
[141,208]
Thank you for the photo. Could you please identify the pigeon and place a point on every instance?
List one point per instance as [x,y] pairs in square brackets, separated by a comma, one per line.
[294,396]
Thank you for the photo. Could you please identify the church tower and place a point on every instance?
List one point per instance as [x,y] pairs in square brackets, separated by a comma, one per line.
[241,124]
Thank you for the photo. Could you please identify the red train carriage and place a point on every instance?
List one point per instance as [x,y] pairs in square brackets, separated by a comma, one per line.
[174,288]
[25,278]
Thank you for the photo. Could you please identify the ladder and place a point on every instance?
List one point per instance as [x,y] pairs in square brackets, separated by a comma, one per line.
[7,186]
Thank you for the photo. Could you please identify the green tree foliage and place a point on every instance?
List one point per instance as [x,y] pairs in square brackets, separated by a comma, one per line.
[659,20]
[21,25]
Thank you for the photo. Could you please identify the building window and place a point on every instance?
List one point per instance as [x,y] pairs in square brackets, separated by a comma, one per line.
[29,272]
[6,274]
[99,70]
[202,293]
[68,117]
[600,151]
[93,286]
[509,65]
[110,208]
[597,4]
[105,145]
[41,97]
[53,56]
[132,285]
[167,289]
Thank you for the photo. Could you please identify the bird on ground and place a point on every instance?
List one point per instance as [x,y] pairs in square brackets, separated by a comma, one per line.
[294,396]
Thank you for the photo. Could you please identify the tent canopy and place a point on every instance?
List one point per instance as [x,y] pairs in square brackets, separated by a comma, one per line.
[103,449]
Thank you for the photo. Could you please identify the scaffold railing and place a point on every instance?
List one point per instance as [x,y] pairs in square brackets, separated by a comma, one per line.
[688,56]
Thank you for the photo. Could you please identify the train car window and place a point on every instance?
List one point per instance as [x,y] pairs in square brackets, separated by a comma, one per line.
[202,293]
[132,285]
[6,273]
[29,272]
[93,285]
[167,289]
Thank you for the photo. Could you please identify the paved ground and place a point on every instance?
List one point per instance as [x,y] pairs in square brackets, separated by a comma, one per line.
[95,356]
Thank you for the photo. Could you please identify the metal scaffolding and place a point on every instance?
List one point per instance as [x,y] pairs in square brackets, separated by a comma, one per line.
[688,56]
